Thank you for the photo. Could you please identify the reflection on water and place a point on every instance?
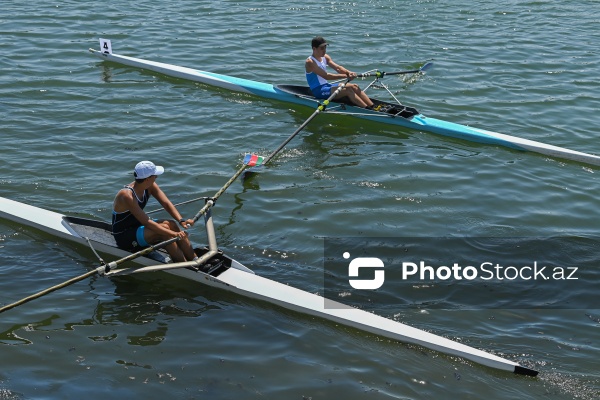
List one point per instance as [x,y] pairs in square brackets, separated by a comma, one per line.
[106,72]
[11,335]
[339,177]
[151,302]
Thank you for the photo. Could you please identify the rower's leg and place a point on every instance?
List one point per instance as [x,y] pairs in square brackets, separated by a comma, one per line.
[356,95]
[361,95]
[175,252]
[183,246]
[354,99]
[179,251]
[365,98]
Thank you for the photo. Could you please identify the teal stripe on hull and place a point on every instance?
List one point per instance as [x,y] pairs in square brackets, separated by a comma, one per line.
[450,129]
[417,122]
[462,132]
[260,89]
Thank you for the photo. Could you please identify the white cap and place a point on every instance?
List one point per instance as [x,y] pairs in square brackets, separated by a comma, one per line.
[145,169]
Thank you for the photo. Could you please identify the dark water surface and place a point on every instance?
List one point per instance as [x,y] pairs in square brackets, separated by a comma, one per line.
[73,127]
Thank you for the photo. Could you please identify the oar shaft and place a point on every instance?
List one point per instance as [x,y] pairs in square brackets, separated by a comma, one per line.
[286,141]
[412,71]
[301,127]
[49,290]
[178,204]
[102,269]
[321,107]
[381,74]
[212,200]
[142,252]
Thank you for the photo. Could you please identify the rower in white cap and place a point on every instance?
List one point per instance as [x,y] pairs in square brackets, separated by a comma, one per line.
[133,229]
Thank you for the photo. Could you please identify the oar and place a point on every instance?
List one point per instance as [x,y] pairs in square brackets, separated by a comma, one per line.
[319,109]
[103,269]
[178,204]
[106,268]
[212,200]
[381,74]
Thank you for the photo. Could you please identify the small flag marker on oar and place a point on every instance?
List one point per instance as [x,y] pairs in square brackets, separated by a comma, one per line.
[253,160]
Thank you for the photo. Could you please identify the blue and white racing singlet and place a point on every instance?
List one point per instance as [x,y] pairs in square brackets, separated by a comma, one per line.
[314,80]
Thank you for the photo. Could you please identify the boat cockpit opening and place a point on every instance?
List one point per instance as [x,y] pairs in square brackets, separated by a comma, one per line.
[383,107]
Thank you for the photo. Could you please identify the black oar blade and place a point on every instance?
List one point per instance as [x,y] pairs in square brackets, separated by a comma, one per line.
[425,67]
[525,371]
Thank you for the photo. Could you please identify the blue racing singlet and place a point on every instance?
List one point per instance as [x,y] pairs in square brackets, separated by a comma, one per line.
[319,86]
[314,80]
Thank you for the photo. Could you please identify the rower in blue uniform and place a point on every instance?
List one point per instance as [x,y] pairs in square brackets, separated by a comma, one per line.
[317,76]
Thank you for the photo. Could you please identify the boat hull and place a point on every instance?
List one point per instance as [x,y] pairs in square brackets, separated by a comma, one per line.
[416,122]
[236,278]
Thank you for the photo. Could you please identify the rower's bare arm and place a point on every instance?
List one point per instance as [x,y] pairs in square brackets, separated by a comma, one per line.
[344,73]
[164,201]
[311,66]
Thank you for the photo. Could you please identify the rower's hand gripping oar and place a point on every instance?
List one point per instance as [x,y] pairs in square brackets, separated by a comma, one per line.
[106,268]
[212,243]
[320,108]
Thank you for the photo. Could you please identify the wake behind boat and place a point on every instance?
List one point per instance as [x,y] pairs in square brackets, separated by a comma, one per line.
[390,113]
[223,272]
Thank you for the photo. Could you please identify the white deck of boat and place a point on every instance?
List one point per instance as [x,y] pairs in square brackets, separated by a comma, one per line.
[254,286]
[25,214]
